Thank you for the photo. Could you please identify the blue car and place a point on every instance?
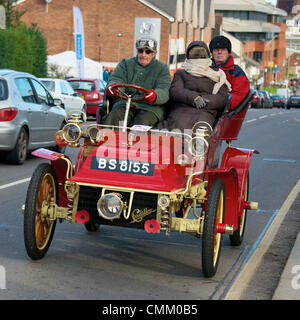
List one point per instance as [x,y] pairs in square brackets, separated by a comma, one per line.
[293,102]
[278,100]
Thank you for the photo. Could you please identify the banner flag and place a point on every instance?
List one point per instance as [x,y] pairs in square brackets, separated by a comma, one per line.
[79,41]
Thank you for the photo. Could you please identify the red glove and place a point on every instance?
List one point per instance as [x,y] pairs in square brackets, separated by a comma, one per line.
[150,96]
[112,92]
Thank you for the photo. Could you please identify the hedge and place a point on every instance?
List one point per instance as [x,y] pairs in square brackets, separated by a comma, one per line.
[23,49]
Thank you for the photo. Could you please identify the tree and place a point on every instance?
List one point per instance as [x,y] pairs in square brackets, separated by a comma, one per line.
[13,16]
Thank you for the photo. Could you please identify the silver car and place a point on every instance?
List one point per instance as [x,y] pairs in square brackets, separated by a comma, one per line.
[29,115]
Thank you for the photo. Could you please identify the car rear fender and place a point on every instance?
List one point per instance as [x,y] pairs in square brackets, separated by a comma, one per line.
[233,171]
[230,178]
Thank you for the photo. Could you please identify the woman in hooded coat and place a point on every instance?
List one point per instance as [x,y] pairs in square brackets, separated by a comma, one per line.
[198,92]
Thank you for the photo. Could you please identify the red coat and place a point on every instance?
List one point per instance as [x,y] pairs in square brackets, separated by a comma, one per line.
[239,82]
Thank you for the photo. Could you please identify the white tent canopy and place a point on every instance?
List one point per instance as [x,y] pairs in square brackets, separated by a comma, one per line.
[67,60]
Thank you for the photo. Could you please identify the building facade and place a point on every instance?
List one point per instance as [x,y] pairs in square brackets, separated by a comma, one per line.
[110,25]
[292,7]
[261,28]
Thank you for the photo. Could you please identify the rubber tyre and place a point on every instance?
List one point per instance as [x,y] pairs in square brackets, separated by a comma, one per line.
[92,226]
[38,234]
[237,238]
[19,153]
[211,242]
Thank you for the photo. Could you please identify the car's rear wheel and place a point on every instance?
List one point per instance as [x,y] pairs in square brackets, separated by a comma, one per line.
[38,230]
[211,241]
[236,238]
[19,153]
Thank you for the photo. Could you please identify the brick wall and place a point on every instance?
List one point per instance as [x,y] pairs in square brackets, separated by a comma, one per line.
[103,20]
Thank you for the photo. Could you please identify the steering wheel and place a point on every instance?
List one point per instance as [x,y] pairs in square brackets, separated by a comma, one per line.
[125,96]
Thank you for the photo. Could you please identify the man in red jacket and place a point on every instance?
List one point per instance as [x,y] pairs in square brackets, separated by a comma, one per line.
[220,47]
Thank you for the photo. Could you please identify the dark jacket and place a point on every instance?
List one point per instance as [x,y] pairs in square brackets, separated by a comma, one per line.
[240,85]
[182,113]
[186,87]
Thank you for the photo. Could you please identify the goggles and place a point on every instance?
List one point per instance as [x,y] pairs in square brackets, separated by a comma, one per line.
[146,43]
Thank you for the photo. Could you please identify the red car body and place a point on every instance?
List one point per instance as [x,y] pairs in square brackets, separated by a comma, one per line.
[92,91]
[256,101]
[142,170]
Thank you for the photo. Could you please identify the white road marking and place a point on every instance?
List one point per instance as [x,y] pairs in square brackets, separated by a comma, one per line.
[262,117]
[251,120]
[8,185]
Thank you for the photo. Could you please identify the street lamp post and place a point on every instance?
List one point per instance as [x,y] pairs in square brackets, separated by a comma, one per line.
[119,44]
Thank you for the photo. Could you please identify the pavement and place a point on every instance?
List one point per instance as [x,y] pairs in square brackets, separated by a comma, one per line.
[289,284]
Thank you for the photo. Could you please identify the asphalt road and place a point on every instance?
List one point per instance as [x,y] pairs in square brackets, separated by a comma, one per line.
[119,263]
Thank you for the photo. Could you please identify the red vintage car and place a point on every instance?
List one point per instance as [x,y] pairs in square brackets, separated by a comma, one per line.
[144,178]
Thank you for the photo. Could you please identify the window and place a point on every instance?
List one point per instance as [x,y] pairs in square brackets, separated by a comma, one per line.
[257,56]
[244,15]
[83,85]
[63,88]
[43,95]
[50,85]
[69,88]
[101,85]
[25,90]
[3,90]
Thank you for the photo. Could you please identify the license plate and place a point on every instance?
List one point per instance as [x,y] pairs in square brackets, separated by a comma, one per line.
[122,166]
[276,101]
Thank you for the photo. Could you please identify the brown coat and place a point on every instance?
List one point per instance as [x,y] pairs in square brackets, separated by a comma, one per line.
[184,89]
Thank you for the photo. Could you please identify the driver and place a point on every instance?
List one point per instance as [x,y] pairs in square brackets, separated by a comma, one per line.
[145,71]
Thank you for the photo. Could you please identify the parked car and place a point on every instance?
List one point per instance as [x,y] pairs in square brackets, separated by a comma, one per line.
[62,89]
[257,99]
[267,101]
[92,90]
[29,115]
[293,102]
[278,101]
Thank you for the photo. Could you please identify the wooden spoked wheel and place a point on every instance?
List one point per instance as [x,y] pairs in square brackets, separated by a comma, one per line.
[237,238]
[38,230]
[211,241]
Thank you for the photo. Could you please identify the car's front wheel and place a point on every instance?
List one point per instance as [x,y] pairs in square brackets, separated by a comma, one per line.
[39,230]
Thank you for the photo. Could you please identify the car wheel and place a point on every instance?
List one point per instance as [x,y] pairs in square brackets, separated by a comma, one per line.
[38,230]
[92,226]
[237,237]
[19,153]
[211,242]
